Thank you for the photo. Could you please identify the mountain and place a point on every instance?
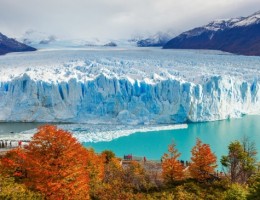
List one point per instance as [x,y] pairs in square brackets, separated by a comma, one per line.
[237,35]
[110,44]
[8,45]
[157,40]
[43,40]
[33,37]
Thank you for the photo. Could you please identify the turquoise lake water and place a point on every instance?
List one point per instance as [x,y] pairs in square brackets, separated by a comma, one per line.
[154,144]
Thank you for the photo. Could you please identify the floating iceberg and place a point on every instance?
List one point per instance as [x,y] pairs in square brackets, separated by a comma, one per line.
[98,132]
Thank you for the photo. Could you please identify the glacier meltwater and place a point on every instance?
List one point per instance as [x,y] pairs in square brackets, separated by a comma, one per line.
[127,86]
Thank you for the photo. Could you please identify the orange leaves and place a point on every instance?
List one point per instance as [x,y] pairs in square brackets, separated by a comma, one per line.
[172,169]
[203,161]
[13,164]
[56,164]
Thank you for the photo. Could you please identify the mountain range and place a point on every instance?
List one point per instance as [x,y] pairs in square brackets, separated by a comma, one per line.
[157,40]
[8,45]
[236,35]
[44,40]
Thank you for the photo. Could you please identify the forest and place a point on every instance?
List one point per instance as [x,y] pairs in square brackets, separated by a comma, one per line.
[55,166]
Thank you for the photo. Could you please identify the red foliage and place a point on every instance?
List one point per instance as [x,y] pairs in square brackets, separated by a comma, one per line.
[55,164]
[13,164]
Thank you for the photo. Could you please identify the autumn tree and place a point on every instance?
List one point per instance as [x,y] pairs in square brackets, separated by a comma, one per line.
[113,186]
[255,187]
[95,167]
[13,164]
[56,165]
[203,161]
[172,169]
[123,182]
[136,176]
[240,162]
[108,155]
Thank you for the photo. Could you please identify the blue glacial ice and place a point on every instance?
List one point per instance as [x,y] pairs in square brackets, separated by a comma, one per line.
[122,86]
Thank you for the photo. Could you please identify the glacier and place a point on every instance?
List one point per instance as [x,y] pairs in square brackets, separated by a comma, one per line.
[127,86]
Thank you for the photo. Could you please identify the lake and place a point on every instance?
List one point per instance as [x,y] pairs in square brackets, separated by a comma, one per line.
[154,144]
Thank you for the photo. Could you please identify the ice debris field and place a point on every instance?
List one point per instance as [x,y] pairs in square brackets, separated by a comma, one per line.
[127,86]
[96,132]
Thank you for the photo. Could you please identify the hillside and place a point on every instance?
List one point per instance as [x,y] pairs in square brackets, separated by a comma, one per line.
[8,45]
[237,35]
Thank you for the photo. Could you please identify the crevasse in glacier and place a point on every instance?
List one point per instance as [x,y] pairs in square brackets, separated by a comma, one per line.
[119,91]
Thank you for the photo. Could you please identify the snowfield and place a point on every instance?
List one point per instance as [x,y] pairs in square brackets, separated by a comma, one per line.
[127,86]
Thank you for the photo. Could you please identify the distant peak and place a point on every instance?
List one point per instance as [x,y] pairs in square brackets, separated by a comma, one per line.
[220,24]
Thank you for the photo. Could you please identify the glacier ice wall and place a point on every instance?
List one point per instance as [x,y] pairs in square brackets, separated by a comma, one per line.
[125,101]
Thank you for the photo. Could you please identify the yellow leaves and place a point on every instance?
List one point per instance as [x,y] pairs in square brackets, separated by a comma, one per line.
[11,190]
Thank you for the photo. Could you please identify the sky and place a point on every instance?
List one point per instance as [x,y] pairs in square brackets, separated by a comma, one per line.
[115,19]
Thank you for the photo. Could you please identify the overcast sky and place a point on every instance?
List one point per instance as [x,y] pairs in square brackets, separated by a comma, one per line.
[115,18]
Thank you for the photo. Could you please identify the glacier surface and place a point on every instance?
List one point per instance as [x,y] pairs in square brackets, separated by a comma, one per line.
[127,86]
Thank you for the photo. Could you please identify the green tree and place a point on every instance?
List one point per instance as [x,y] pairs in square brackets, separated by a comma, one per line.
[240,162]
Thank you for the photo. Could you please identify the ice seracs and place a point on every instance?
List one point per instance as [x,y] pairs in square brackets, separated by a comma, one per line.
[144,86]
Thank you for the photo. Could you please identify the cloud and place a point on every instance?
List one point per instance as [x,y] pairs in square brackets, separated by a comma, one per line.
[115,18]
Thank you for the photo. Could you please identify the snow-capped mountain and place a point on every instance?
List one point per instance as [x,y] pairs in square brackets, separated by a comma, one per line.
[42,40]
[157,40]
[8,45]
[236,35]
[34,38]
